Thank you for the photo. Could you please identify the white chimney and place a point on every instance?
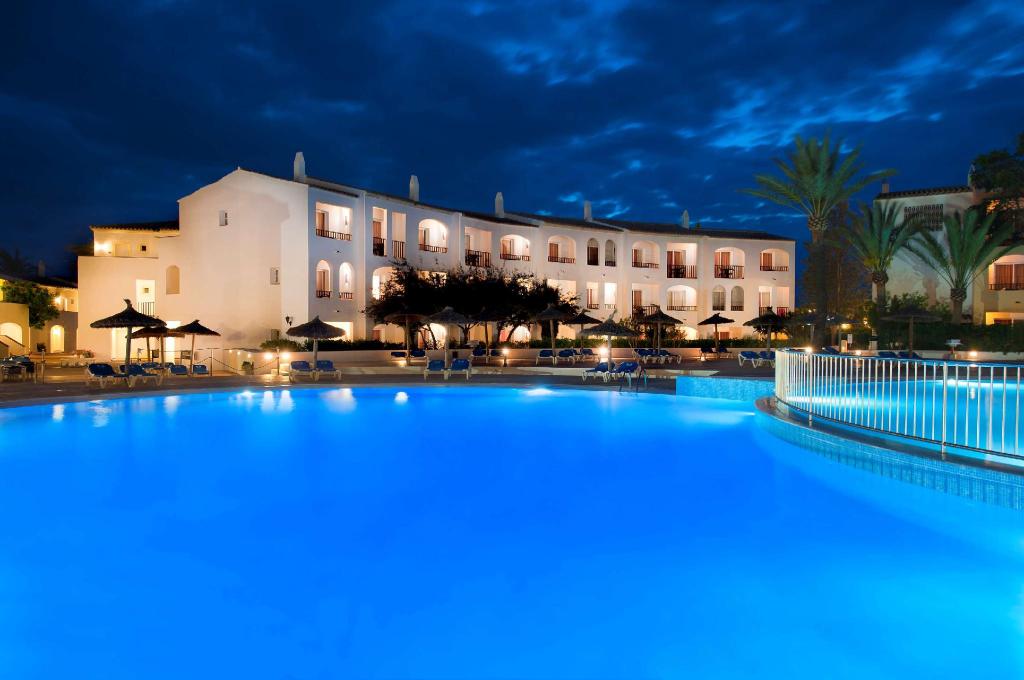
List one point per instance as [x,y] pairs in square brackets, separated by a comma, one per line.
[414,188]
[685,219]
[41,269]
[588,213]
[499,204]
[299,167]
[885,187]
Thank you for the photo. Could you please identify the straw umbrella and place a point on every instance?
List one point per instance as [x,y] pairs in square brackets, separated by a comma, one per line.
[448,317]
[659,319]
[404,319]
[128,319]
[195,328]
[160,332]
[910,315]
[714,320]
[316,330]
[609,329]
[551,314]
[767,323]
[582,319]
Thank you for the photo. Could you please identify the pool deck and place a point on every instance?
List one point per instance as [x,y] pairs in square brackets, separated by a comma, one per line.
[69,384]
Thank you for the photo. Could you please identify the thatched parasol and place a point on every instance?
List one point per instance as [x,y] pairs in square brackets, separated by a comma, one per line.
[659,319]
[316,330]
[195,328]
[448,317]
[582,319]
[910,315]
[609,329]
[160,332]
[486,316]
[551,314]
[404,319]
[714,320]
[128,319]
[767,323]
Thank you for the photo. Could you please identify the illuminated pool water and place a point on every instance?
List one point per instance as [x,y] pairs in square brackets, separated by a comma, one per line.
[473,533]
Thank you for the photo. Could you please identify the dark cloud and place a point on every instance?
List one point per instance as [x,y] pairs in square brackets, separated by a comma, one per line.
[112,111]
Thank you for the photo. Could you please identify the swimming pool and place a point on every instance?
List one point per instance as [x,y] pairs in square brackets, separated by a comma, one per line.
[480,532]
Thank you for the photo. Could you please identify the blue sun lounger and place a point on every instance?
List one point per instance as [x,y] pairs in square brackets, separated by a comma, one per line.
[200,369]
[434,366]
[326,367]
[177,369]
[297,368]
[601,370]
[101,373]
[546,354]
[886,354]
[767,358]
[749,356]
[136,373]
[459,366]
[627,370]
[417,354]
[567,354]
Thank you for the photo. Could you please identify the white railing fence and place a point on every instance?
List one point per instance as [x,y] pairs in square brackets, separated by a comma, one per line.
[968,405]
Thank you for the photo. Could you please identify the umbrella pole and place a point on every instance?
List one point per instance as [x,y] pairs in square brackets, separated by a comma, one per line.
[316,373]
[551,326]
[128,355]
[192,354]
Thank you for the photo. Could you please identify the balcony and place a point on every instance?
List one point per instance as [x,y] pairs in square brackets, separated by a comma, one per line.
[640,264]
[398,249]
[378,246]
[478,258]
[682,271]
[515,256]
[781,311]
[323,293]
[337,235]
[1006,285]
[561,260]
[640,311]
[609,263]
[680,307]
[728,271]
[427,248]
[592,305]
[345,295]
[148,308]
[774,267]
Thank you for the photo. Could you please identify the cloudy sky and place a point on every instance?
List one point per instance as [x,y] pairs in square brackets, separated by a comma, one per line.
[111,111]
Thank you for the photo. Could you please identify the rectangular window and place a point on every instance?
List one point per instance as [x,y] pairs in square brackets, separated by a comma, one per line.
[323,220]
[143,248]
[223,218]
[766,261]
[275,276]
[552,251]
[592,255]
[718,301]
[275,333]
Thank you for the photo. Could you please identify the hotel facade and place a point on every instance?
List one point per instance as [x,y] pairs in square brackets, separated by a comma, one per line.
[252,254]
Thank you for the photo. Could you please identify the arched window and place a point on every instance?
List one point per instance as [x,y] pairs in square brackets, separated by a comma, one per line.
[593,251]
[323,279]
[345,282]
[57,338]
[609,253]
[718,299]
[736,299]
[172,285]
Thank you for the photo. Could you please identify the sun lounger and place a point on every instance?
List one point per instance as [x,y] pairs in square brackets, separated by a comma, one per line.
[546,354]
[417,354]
[831,351]
[748,356]
[567,354]
[767,358]
[459,365]
[200,369]
[326,367]
[177,369]
[668,357]
[886,354]
[297,368]
[585,354]
[398,354]
[101,373]
[627,370]
[434,366]
[480,352]
[601,370]
[137,373]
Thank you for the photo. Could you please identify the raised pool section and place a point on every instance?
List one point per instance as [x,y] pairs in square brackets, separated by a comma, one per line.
[483,533]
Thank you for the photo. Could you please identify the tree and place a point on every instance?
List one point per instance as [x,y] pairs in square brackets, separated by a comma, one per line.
[876,236]
[15,264]
[969,243]
[816,179]
[1001,173]
[38,300]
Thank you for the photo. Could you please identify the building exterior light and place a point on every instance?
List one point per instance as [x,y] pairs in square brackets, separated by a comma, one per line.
[286,356]
[268,355]
[809,349]
[973,354]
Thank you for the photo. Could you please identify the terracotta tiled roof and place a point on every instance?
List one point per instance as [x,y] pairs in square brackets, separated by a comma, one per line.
[165,225]
[934,191]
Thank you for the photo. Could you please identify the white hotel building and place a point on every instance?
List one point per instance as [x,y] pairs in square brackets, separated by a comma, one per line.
[251,254]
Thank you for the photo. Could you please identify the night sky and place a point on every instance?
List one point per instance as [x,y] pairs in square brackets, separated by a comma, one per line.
[110,112]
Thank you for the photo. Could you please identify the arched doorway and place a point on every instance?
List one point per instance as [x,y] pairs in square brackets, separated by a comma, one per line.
[57,338]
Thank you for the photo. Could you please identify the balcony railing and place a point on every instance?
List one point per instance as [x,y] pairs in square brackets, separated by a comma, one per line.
[682,271]
[728,271]
[1007,285]
[640,264]
[592,305]
[774,267]
[561,260]
[345,295]
[338,235]
[515,256]
[681,308]
[378,246]
[148,308]
[782,311]
[478,258]
[640,311]
[323,293]
[398,249]
[609,263]
[427,248]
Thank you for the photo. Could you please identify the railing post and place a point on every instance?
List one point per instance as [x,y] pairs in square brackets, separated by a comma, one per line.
[945,382]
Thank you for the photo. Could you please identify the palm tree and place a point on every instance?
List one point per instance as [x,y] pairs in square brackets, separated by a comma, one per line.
[815,180]
[968,245]
[877,235]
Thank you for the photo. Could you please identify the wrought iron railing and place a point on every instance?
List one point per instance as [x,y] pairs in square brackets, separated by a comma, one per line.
[345,295]
[562,260]
[338,235]
[148,308]
[682,271]
[426,247]
[644,310]
[951,404]
[728,271]
[515,256]
[1007,285]
[478,258]
[640,264]
[378,246]
[609,263]
[323,293]
[398,249]
[774,267]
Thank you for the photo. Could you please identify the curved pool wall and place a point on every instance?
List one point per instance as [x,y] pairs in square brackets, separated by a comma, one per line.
[493,532]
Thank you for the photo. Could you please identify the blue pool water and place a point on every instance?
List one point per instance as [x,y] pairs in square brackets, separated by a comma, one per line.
[479,533]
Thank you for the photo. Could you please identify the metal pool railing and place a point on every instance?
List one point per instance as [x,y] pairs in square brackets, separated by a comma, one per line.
[953,404]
